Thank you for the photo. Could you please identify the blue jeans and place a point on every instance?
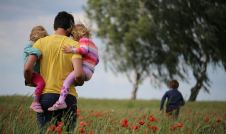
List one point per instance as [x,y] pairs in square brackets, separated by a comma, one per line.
[68,115]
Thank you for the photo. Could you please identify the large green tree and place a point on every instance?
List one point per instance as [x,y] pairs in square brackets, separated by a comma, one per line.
[132,45]
[161,39]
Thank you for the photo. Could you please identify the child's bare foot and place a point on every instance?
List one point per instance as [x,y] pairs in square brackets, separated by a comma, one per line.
[36,106]
[58,105]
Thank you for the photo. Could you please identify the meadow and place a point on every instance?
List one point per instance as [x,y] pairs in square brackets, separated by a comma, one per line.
[105,116]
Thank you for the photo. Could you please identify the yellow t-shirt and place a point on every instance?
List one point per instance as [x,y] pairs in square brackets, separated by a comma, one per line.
[55,65]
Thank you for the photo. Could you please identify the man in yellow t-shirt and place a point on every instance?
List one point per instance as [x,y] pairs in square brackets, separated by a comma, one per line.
[54,68]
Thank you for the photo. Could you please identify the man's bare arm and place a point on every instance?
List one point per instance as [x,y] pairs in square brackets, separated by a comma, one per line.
[77,64]
[28,67]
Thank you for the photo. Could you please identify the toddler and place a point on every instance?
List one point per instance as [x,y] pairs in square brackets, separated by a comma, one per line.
[174,99]
[37,32]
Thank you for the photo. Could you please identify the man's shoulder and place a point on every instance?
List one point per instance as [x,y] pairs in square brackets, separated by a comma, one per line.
[70,40]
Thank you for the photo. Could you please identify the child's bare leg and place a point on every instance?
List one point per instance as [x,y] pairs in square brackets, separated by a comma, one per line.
[40,84]
[61,104]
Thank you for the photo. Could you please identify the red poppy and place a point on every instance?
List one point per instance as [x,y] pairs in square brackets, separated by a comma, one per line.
[149,126]
[141,122]
[206,119]
[225,116]
[135,127]
[173,127]
[51,128]
[82,130]
[154,128]
[90,132]
[83,124]
[218,120]
[179,124]
[152,119]
[125,123]
[58,130]
[78,112]
[60,123]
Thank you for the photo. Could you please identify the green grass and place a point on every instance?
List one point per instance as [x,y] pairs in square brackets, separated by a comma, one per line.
[102,116]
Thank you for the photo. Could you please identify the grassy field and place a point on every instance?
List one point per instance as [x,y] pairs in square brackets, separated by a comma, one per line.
[118,117]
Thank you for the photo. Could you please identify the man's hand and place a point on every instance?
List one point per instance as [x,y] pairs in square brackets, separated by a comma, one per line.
[67,49]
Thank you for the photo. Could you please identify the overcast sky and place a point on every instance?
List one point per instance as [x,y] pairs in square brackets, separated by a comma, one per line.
[17,17]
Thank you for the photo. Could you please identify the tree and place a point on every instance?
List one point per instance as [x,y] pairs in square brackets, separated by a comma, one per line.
[194,29]
[162,38]
[132,47]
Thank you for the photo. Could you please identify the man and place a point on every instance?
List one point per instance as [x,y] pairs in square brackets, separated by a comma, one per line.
[54,68]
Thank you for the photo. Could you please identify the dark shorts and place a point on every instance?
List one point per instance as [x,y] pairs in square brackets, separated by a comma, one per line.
[68,116]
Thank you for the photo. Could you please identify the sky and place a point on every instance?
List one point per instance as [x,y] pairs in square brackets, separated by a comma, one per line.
[17,17]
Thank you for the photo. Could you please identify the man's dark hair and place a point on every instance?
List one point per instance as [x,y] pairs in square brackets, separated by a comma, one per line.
[63,20]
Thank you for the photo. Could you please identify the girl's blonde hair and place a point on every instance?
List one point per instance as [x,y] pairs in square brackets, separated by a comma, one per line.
[79,31]
[37,32]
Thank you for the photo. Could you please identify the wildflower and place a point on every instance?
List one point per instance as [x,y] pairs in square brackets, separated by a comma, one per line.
[83,124]
[218,120]
[125,123]
[51,128]
[90,132]
[152,119]
[179,125]
[225,116]
[206,119]
[135,127]
[82,130]
[154,128]
[78,112]
[141,122]
[60,123]
[149,126]
[58,130]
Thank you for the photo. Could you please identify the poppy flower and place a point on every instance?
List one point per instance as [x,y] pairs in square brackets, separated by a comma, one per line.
[218,120]
[154,128]
[125,123]
[152,119]
[135,127]
[78,112]
[141,122]
[206,119]
[58,130]
[83,124]
[51,128]
[179,125]
[82,130]
[90,132]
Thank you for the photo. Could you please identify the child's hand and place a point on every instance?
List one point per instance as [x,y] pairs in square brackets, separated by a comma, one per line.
[67,49]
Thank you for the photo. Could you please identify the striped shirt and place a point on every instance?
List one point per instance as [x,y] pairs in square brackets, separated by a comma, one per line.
[89,52]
